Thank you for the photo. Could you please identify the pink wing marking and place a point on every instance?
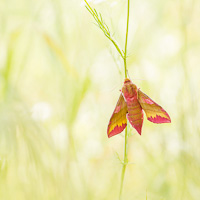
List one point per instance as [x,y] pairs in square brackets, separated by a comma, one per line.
[118,120]
[117,130]
[159,120]
[148,101]
[154,112]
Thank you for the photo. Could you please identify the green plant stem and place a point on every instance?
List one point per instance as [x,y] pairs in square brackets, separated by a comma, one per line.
[125,162]
[126,40]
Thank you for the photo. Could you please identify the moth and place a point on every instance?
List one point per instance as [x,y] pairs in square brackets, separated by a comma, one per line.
[131,104]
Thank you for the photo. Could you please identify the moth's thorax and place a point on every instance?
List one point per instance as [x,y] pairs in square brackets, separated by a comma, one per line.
[129,90]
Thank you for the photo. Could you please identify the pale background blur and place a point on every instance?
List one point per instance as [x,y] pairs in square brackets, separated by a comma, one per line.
[59,83]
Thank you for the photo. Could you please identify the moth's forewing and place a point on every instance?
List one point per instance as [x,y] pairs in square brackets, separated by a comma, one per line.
[154,112]
[118,120]
[135,114]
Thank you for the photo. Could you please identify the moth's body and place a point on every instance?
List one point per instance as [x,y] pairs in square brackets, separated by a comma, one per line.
[130,105]
[135,114]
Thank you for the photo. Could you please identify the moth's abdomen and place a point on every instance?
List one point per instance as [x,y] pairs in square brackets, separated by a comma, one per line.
[135,114]
[134,111]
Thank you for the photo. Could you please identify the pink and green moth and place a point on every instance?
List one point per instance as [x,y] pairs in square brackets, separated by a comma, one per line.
[131,103]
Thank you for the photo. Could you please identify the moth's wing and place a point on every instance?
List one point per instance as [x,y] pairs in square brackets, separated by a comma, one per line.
[154,112]
[118,121]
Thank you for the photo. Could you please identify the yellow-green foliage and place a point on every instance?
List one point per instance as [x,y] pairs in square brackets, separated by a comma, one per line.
[59,83]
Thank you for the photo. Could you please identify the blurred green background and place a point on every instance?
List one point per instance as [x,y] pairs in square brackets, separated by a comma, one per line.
[59,83]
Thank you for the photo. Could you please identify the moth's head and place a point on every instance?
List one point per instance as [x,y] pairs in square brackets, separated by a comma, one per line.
[127,80]
[129,89]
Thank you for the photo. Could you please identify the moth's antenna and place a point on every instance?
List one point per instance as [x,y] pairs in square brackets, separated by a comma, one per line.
[114,88]
[135,79]
[128,74]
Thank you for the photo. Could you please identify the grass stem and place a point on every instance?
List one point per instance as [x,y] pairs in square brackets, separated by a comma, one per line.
[126,40]
[125,162]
